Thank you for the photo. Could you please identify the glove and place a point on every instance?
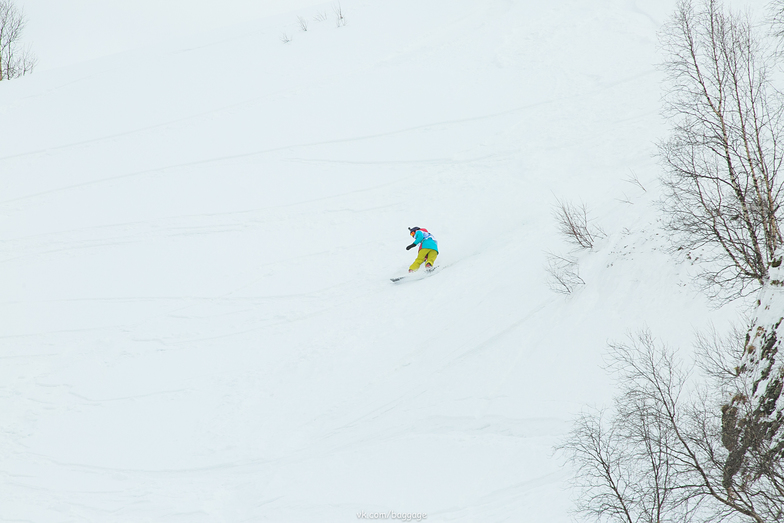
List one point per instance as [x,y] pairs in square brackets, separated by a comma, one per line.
[411,246]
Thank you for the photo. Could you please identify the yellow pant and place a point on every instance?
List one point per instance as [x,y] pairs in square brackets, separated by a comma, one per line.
[428,255]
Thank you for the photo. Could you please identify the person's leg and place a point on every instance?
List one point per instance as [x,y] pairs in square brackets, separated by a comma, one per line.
[430,258]
[420,259]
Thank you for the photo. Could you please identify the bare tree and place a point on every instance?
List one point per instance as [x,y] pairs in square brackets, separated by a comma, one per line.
[776,17]
[635,180]
[605,486]
[723,158]
[564,273]
[573,224]
[663,454]
[15,61]
[340,20]
[626,462]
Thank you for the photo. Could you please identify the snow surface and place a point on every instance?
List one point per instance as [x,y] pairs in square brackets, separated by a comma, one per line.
[197,238]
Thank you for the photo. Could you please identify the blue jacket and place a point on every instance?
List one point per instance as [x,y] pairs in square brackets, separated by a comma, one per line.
[425,240]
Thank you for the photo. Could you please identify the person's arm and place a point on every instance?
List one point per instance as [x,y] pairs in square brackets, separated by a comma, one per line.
[418,237]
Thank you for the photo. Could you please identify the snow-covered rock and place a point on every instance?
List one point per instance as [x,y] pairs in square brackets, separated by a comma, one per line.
[753,421]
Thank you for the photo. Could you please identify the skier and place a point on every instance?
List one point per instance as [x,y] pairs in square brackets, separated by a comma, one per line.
[428,248]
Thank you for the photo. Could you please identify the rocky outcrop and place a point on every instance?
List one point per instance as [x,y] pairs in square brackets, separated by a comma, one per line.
[753,420]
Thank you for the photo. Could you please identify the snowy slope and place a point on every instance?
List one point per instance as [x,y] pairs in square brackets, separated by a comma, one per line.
[197,239]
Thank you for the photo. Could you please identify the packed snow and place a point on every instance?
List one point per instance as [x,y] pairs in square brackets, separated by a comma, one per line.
[198,228]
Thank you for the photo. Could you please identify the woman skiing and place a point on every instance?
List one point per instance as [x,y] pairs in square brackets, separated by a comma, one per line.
[428,248]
